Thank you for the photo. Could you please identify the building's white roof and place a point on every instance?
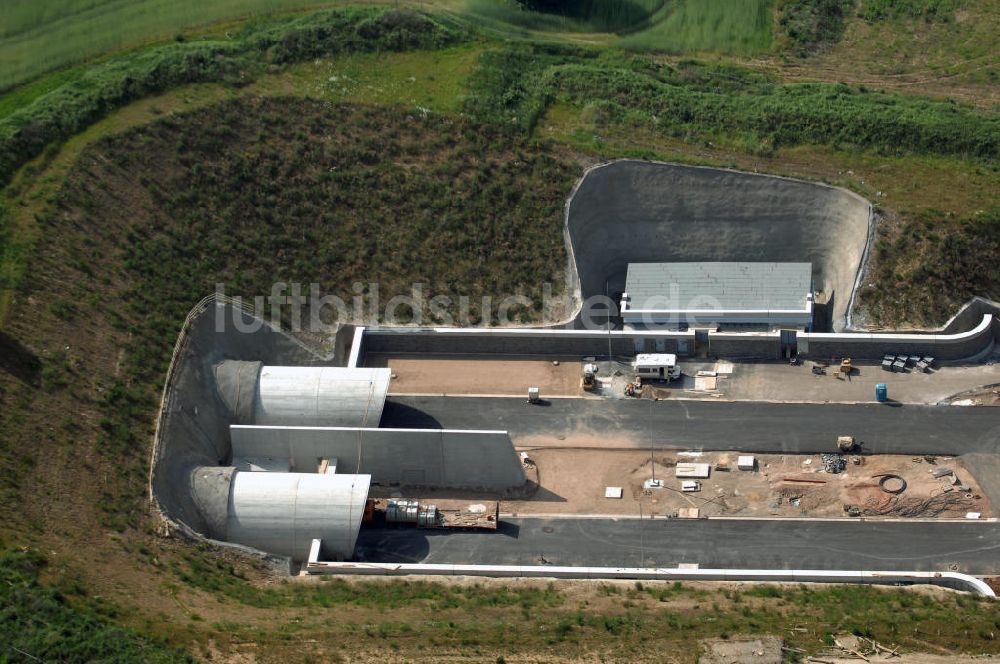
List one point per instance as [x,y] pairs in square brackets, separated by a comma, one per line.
[722,286]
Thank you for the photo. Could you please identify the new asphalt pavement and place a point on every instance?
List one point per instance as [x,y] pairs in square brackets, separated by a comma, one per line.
[756,427]
[706,425]
[748,544]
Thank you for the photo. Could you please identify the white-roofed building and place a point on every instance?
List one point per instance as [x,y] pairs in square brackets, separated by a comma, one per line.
[713,294]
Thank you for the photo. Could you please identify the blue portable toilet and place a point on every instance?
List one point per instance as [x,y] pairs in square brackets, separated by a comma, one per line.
[881,392]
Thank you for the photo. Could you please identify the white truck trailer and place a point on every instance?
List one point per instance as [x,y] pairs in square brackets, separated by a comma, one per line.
[656,366]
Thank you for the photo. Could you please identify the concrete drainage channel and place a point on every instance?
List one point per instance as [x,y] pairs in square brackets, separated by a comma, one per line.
[952,580]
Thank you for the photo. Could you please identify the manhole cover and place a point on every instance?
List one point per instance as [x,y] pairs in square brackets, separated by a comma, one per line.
[547,529]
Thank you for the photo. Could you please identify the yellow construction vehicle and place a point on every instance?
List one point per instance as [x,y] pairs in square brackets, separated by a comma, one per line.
[847,444]
[589,380]
[846,367]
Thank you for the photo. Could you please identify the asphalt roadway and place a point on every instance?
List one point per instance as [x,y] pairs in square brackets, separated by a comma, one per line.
[716,543]
[973,548]
[707,425]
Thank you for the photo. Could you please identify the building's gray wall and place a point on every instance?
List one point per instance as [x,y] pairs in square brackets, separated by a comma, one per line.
[415,457]
[736,346]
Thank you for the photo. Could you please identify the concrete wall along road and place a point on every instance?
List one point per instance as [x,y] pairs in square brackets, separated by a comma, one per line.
[553,342]
[945,347]
[560,343]
[413,457]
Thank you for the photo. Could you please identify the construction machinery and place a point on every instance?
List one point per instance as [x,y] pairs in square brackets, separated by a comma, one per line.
[589,380]
[846,367]
[454,515]
[846,444]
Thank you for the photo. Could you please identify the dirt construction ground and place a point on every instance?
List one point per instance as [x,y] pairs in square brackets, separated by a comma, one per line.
[732,381]
[573,481]
[480,376]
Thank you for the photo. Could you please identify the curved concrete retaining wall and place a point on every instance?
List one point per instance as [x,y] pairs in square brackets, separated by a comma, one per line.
[192,429]
[945,347]
[953,580]
[631,211]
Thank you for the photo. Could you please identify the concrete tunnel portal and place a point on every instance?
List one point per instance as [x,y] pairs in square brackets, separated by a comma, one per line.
[300,448]
[286,406]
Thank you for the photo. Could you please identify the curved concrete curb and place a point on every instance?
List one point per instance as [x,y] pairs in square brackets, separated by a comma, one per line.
[953,580]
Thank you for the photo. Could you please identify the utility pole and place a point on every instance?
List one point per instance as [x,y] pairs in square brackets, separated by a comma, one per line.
[607,294]
[652,459]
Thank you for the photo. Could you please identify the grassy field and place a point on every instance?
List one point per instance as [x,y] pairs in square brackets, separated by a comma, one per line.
[37,37]
[593,16]
[723,26]
[330,150]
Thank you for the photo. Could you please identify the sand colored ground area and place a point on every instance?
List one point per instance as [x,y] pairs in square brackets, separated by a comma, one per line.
[846,648]
[574,481]
[480,376]
[735,381]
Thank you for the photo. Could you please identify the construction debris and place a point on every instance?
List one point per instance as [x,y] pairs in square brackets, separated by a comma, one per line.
[833,463]
[915,507]
[892,484]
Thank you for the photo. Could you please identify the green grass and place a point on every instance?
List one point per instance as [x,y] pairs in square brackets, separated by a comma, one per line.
[723,26]
[958,258]
[708,101]
[929,10]
[427,79]
[41,36]
[42,622]
[69,108]
[812,24]
[254,190]
[38,36]
[631,620]
[610,16]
